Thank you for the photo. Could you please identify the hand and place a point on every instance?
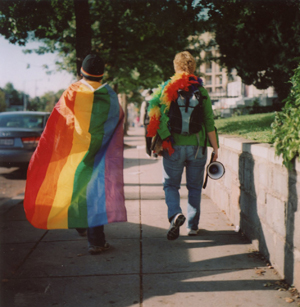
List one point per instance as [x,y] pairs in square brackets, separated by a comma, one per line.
[213,141]
[216,155]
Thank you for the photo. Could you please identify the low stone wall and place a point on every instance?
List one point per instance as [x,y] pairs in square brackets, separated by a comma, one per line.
[260,196]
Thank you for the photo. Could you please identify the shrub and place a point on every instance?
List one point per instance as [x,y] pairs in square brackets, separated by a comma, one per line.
[286,125]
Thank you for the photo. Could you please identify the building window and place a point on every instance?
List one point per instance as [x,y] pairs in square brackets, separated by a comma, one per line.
[219,90]
[218,68]
[208,80]
[208,67]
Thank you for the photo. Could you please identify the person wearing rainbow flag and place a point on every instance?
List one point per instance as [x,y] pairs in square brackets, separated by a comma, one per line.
[182,150]
[75,176]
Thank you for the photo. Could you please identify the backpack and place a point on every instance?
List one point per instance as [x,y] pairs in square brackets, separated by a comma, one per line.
[186,113]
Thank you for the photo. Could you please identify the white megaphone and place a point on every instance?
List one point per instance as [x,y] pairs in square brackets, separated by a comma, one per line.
[215,170]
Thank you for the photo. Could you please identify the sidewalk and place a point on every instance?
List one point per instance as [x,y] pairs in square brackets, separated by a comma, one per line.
[217,268]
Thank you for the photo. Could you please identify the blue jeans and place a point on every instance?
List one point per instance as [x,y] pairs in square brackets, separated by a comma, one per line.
[184,156]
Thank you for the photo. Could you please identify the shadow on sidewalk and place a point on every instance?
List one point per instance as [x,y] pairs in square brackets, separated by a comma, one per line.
[143,268]
[48,268]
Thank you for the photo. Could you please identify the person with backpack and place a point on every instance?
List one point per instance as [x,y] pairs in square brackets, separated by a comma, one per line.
[181,120]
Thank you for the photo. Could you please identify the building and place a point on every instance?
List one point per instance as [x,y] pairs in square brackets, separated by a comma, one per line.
[228,92]
[214,76]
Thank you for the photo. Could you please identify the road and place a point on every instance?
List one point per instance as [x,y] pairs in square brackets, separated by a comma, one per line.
[12,183]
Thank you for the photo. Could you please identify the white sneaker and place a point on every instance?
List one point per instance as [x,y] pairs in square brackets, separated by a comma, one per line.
[192,232]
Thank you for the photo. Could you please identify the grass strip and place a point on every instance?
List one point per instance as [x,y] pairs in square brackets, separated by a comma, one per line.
[255,127]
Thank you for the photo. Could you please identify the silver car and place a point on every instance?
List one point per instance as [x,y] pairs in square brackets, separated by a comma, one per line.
[19,135]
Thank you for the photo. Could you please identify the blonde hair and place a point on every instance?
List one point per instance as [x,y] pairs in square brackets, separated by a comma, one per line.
[184,61]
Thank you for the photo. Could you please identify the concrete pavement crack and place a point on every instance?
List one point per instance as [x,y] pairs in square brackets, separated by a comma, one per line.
[141,238]
[30,252]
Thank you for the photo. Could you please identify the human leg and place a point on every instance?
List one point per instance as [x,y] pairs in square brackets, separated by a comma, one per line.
[82,231]
[194,179]
[96,239]
[148,142]
[172,171]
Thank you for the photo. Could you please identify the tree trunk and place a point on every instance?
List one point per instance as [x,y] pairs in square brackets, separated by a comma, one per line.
[123,101]
[83,32]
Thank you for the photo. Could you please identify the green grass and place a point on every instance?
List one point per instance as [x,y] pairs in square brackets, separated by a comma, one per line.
[255,127]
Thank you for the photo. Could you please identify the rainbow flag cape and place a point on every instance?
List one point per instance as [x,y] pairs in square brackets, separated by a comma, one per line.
[75,176]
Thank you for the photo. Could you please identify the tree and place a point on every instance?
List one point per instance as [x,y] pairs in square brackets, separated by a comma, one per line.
[261,39]
[137,39]
[35,104]
[15,98]
[286,124]
[132,36]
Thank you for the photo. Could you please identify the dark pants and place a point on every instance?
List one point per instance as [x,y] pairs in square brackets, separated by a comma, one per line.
[148,142]
[95,235]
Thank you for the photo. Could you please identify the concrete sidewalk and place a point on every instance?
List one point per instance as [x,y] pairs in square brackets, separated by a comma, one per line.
[217,268]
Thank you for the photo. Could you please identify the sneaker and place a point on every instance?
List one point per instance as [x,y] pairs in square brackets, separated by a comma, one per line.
[192,232]
[93,250]
[173,232]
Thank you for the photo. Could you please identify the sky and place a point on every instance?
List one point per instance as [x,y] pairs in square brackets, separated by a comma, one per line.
[33,80]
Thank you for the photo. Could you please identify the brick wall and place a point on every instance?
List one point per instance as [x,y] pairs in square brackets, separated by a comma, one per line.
[261,196]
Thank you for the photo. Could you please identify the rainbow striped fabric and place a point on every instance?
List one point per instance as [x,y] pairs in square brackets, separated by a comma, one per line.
[75,176]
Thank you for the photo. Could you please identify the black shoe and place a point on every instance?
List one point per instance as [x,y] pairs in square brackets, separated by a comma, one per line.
[173,232]
[82,232]
[93,250]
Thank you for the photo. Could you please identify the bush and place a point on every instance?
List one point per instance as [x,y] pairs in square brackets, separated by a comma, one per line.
[286,125]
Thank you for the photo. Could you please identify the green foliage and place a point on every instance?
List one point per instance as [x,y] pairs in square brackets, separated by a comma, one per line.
[21,19]
[14,97]
[255,102]
[49,99]
[261,39]
[134,37]
[43,103]
[253,127]
[286,126]
[36,104]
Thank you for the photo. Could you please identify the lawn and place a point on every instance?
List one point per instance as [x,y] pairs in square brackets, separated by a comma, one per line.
[255,127]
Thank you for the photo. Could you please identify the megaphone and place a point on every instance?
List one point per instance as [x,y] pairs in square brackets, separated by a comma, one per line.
[215,170]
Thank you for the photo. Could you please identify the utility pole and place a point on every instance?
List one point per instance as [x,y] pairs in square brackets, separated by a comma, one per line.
[24,102]
[24,96]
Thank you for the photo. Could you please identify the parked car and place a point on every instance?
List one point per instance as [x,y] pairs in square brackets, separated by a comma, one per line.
[19,135]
